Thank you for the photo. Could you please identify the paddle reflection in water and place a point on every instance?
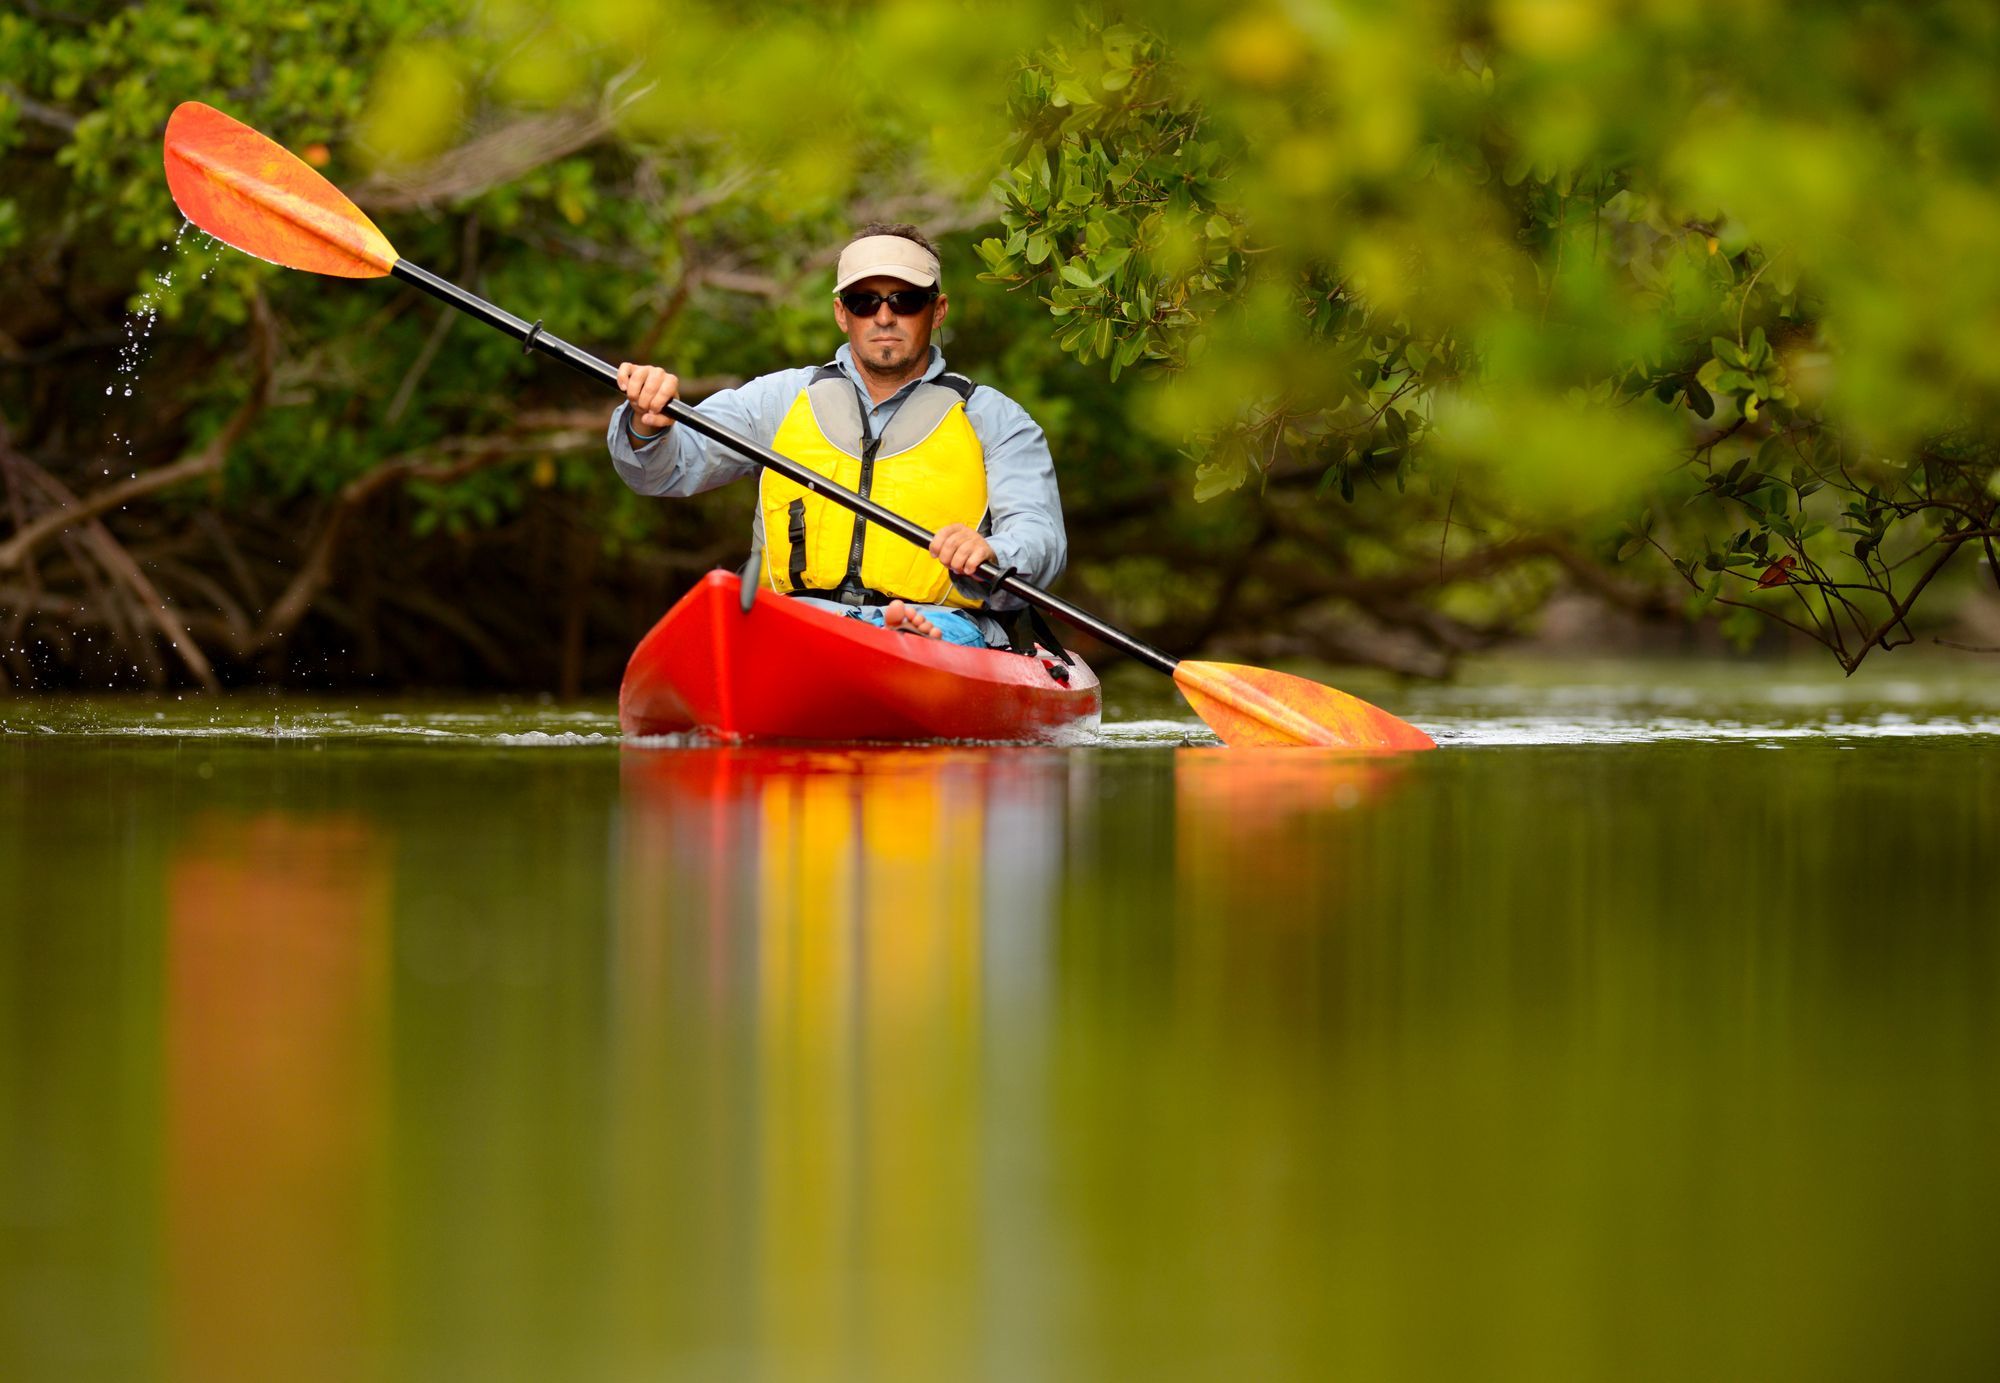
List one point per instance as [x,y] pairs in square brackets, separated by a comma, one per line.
[1257,827]
[277,988]
[828,926]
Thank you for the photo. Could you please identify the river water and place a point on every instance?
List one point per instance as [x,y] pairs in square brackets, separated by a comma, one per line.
[1646,1031]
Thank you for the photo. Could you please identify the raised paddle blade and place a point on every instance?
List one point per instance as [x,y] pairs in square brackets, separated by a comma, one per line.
[1250,706]
[252,193]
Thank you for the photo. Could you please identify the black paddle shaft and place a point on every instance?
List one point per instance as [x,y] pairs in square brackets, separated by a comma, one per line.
[533,338]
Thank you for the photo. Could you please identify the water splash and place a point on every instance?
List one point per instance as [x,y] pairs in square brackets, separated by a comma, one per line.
[136,348]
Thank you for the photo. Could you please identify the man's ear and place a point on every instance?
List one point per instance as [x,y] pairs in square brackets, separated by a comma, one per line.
[938,310]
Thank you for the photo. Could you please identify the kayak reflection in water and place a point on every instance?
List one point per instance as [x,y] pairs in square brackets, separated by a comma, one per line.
[884,418]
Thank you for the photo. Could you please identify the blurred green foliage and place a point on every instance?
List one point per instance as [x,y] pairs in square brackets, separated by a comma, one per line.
[1721,270]
[1690,296]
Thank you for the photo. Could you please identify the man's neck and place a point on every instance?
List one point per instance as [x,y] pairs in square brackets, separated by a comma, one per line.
[882,387]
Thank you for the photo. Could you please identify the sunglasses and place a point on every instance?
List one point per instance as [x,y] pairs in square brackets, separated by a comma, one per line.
[904,302]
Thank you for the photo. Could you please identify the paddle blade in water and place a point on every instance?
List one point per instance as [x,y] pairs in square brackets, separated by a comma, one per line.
[1249,706]
[252,193]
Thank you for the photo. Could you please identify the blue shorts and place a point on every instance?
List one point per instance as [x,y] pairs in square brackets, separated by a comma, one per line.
[954,626]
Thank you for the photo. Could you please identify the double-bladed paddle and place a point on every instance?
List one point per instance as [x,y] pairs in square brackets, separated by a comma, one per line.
[250,192]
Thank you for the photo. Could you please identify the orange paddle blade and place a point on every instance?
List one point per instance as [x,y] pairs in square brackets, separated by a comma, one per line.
[252,193]
[1249,706]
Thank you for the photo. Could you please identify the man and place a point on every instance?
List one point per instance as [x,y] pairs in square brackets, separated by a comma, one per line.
[885,419]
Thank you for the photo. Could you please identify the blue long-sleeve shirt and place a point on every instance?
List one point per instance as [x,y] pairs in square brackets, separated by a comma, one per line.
[1024,511]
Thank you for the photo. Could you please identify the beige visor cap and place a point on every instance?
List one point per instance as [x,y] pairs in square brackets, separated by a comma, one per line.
[889,255]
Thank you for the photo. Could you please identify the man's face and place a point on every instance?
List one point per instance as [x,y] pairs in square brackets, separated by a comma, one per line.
[886,343]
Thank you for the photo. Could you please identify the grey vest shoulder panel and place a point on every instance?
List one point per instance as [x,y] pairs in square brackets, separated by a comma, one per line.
[836,406]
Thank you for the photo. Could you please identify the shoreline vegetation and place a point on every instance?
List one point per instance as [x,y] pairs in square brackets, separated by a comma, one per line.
[1385,342]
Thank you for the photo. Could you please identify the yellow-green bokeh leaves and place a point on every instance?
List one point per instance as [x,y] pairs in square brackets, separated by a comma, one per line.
[417,107]
[1552,29]
[1558,460]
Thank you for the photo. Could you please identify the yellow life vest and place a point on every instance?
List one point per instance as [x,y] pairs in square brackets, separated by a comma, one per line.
[927,465]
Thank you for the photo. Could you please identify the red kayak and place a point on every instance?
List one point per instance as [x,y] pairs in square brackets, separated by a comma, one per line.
[785,670]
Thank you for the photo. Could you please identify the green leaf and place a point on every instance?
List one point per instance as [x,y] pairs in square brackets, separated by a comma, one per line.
[1108,262]
[1699,604]
[1219,477]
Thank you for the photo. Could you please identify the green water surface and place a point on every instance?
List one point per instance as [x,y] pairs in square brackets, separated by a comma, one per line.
[1645,1031]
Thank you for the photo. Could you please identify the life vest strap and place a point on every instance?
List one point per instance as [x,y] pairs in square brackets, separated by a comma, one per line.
[795,513]
[1024,627]
[856,595]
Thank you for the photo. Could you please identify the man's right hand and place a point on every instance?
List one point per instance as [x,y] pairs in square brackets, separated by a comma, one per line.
[648,388]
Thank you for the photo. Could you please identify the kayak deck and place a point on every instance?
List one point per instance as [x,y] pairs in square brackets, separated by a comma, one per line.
[783,670]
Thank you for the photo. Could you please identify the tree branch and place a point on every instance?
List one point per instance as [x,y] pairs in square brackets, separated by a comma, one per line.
[496,157]
[75,510]
[317,568]
[41,114]
[1899,609]
[118,562]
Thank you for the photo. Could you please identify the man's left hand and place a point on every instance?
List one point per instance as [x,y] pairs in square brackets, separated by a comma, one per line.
[960,548]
